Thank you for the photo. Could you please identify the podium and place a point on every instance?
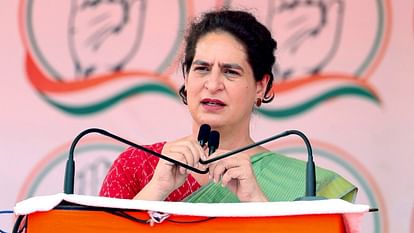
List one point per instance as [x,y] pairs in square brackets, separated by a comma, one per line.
[76,213]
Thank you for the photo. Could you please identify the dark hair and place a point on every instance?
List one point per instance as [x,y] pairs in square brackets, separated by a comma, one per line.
[254,36]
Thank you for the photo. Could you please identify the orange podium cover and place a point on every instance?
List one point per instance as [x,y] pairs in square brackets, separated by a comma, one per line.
[99,214]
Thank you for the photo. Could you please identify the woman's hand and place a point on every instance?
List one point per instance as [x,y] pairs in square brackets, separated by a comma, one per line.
[168,176]
[236,173]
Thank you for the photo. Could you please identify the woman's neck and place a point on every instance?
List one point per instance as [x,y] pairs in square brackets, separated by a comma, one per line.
[233,139]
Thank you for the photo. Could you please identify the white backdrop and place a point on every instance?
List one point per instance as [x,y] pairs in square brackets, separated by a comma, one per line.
[356,110]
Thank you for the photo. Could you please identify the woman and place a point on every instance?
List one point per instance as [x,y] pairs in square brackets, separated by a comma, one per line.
[227,70]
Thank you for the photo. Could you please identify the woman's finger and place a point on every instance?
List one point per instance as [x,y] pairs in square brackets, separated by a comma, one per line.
[217,169]
[230,174]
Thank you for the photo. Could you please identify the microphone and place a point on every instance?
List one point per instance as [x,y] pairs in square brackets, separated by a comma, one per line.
[213,142]
[203,134]
[212,138]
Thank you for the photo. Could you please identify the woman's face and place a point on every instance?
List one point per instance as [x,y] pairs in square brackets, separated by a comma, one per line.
[221,89]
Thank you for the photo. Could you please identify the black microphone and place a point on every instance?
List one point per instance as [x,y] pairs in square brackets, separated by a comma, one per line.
[69,181]
[203,134]
[213,141]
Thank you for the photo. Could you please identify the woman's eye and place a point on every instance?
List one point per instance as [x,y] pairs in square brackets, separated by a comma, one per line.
[201,68]
[231,72]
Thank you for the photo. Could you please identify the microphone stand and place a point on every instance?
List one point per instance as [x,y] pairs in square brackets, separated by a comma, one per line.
[310,193]
[70,163]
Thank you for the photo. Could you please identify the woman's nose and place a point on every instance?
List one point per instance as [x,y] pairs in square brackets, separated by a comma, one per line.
[214,82]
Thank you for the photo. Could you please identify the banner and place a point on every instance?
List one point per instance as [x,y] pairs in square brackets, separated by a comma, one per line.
[343,77]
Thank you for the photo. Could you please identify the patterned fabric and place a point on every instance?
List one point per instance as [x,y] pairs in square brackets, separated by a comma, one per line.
[281,179]
[133,169]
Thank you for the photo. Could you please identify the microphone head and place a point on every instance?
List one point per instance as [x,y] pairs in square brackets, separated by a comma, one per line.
[213,141]
[203,134]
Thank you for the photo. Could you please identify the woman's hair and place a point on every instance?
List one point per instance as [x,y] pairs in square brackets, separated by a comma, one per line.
[254,36]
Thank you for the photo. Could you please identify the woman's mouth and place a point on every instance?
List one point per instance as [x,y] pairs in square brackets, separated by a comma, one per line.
[212,104]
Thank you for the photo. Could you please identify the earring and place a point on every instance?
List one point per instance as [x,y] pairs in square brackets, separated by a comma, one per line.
[258,102]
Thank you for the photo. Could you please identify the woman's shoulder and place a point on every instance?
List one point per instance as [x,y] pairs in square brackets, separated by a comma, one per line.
[133,151]
[133,154]
[270,159]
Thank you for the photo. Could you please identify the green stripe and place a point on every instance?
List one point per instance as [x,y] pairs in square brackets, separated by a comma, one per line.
[301,108]
[99,106]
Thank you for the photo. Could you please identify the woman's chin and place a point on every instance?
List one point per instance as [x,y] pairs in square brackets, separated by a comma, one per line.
[214,122]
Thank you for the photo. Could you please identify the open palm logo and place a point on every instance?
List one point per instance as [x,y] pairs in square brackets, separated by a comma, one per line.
[84,56]
[304,28]
[95,26]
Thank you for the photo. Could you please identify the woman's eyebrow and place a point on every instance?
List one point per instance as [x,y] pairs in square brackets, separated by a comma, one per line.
[221,65]
[202,63]
[231,66]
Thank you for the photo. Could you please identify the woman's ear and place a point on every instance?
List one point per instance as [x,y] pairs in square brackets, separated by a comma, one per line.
[261,86]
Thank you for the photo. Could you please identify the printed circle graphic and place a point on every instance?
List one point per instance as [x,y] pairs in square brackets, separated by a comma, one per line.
[347,164]
[50,170]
